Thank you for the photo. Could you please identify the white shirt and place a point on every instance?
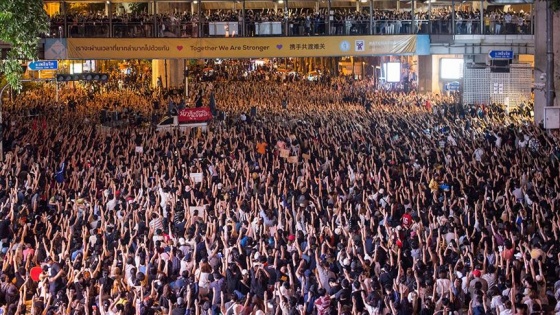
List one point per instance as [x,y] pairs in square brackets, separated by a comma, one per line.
[112,204]
[523,143]
[158,238]
[92,239]
[372,310]
[442,286]
[163,203]
[498,142]
[186,265]
[212,170]
[517,193]
[478,153]
[505,311]
[203,279]
[496,302]
[385,201]
[128,274]
[323,277]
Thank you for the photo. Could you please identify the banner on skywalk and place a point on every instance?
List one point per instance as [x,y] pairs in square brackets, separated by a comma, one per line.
[239,47]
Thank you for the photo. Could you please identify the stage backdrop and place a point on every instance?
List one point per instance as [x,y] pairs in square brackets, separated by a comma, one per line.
[256,47]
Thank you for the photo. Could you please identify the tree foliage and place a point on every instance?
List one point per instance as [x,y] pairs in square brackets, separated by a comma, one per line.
[555,5]
[22,21]
[138,7]
[84,8]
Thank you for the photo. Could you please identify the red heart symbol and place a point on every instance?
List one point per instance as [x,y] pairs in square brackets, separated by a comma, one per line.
[179,48]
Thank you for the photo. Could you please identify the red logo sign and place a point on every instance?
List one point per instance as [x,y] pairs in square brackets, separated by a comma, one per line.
[201,114]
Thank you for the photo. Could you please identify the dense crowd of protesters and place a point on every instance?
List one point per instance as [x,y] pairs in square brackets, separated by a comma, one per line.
[304,198]
[301,22]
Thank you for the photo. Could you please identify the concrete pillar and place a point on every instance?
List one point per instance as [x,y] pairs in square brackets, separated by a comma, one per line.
[435,74]
[556,49]
[453,17]
[540,63]
[540,51]
[200,21]
[243,32]
[155,12]
[64,12]
[371,17]
[425,74]
[329,17]
[413,16]
[109,12]
[174,72]
[481,28]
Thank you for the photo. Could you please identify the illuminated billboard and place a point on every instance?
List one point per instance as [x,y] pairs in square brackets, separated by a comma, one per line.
[451,68]
[392,72]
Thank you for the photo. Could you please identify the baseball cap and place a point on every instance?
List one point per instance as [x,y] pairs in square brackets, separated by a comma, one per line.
[476,273]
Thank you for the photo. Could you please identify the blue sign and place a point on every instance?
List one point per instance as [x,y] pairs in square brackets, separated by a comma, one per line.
[501,54]
[453,86]
[43,65]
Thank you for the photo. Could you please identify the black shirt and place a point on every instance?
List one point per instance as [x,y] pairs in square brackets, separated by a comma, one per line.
[4,229]
[180,310]
[344,296]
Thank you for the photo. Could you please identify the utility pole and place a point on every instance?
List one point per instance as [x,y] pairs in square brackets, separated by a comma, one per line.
[165,65]
[549,56]
[186,74]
